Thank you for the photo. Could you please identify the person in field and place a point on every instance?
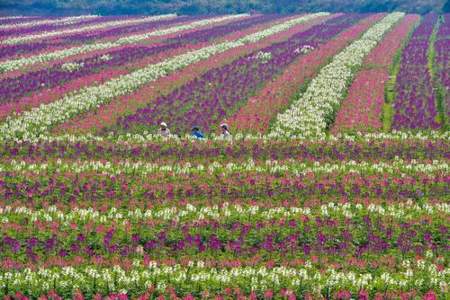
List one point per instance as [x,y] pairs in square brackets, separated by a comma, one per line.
[225,131]
[164,130]
[197,133]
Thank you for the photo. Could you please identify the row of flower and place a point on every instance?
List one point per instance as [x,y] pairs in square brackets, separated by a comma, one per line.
[41,119]
[165,187]
[290,167]
[362,110]
[314,110]
[19,19]
[421,277]
[23,38]
[107,115]
[11,52]
[415,104]
[218,93]
[262,108]
[224,212]
[61,73]
[30,23]
[15,64]
[442,47]
[383,147]
[6,33]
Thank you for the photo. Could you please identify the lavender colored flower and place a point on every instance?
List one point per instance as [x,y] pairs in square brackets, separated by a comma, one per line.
[415,104]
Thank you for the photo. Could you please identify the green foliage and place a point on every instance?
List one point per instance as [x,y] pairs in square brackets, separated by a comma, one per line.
[107,7]
[446,7]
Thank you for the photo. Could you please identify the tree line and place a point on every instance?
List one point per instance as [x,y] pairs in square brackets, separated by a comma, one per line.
[207,7]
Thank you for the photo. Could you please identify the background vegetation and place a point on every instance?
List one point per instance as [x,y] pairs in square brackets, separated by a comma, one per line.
[108,7]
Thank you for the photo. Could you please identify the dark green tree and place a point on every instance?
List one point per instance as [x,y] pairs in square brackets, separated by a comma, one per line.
[446,8]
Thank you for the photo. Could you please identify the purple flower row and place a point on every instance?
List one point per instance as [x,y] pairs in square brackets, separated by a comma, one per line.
[357,236]
[14,88]
[442,47]
[84,37]
[211,97]
[415,103]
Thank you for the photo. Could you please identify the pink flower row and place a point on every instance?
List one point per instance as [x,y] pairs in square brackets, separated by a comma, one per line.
[363,108]
[108,114]
[256,115]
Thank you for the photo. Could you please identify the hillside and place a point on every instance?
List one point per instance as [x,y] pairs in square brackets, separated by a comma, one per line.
[213,6]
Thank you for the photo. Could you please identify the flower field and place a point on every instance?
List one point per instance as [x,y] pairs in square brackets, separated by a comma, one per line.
[335,182]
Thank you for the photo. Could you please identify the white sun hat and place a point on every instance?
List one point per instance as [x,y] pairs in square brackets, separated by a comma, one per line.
[163,124]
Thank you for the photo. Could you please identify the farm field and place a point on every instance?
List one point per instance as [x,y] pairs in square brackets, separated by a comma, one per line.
[334,183]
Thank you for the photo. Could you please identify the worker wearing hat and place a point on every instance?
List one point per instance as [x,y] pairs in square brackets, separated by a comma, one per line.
[197,133]
[164,130]
[225,132]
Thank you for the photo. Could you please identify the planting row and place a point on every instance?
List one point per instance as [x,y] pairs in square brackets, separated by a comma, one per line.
[415,103]
[72,188]
[41,119]
[6,33]
[290,167]
[224,212]
[314,110]
[31,23]
[48,34]
[384,148]
[419,277]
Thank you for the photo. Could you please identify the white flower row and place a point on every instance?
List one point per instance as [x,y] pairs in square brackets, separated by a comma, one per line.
[47,34]
[40,119]
[272,167]
[312,112]
[420,274]
[15,64]
[12,18]
[148,137]
[72,66]
[402,211]
[68,20]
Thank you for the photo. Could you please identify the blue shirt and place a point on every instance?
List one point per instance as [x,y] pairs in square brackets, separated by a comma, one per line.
[198,134]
